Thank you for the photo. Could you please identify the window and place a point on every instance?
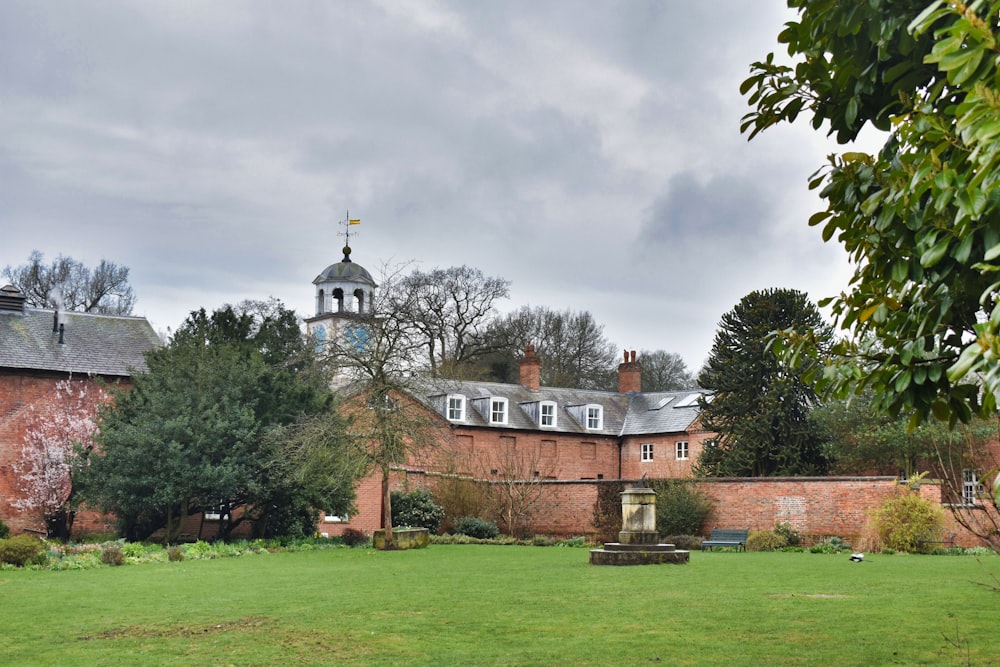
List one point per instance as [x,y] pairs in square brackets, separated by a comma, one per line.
[456,408]
[971,488]
[647,451]
[335,518]
[218,513]
[681,447]
[547,415]
[595,418]
[498,410]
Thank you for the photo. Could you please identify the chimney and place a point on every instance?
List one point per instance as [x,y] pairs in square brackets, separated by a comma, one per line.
[62,334]
[531,369]
[629,374]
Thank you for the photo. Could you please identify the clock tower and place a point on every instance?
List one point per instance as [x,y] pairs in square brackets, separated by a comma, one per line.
[344,293]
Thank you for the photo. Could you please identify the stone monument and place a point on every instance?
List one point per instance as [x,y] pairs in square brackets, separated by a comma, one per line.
[638,542]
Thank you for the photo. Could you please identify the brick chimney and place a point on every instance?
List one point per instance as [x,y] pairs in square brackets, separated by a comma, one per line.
[531,368]
[629,374]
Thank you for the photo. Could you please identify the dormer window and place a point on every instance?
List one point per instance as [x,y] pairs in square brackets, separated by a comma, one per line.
[595,418]
[498,410]
[547,414]
[456,408]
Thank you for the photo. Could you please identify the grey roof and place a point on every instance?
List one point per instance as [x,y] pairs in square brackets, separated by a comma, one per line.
[623,414]
[662,412]
[93,344]
[345,270]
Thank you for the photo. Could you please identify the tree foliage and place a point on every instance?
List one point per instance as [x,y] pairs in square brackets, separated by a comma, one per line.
[191,433]
[862,440]
[68,284]
[760,404]
[921,218]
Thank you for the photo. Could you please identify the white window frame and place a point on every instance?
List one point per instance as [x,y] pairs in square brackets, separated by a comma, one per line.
[971,486]
[334,518]
[681,450]
[646,451]
[498,406]
[455,413]
[595,421]
[547,420]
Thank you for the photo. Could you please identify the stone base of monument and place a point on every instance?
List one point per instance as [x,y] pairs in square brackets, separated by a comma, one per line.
[638,541]
[638,548]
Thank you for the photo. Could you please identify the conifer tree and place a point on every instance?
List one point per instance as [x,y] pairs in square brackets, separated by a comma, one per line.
[759,406]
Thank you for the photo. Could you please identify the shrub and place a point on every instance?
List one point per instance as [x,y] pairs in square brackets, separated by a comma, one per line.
[21,550]
[608,511]
[175,553]
[906,520]
[112,554]
[416,509]
[473,526]
[792,536]
[681,508]
[4,530]
[765,540]
[542,541]
[685,542]
[353,537]
[459,497]
[830,545]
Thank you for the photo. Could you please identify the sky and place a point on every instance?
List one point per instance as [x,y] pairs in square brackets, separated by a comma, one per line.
[589,153]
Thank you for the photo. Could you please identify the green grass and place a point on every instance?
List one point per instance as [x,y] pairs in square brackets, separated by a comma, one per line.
[511,605]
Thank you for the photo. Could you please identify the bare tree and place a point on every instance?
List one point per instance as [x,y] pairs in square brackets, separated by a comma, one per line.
[664,371]
[515,485]
[386,425]
[573,347]
[451,311]
[68,284]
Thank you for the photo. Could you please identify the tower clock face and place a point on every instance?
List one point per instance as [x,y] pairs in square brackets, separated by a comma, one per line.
[356,335]
[319,333]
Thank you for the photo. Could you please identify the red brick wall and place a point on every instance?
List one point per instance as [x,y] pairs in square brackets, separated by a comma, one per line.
[20,393]
[816,507]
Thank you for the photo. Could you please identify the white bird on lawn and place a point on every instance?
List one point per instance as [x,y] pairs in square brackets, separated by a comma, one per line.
[857,558]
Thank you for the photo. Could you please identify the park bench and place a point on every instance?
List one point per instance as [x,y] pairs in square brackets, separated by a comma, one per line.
[727,537]
[946,541]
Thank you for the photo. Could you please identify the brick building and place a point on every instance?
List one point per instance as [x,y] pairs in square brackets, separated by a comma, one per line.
[39,348]
[493,431]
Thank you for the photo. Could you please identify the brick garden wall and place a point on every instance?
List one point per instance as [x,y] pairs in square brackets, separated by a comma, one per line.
[815,506]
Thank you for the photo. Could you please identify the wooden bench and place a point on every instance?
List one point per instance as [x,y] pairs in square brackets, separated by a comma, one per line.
[727,537]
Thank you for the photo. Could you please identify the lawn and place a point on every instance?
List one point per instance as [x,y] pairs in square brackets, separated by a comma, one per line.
[506,605]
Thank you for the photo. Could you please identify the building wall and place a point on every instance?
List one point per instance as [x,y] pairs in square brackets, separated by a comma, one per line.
[22,397]
[665,464]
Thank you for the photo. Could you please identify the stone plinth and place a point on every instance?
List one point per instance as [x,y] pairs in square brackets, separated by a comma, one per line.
[614,553]
[638,541]
[403,538]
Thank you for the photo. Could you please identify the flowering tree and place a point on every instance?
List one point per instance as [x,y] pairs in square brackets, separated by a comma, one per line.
[57,427]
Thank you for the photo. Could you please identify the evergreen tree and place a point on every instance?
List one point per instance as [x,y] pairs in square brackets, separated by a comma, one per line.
[191,434]
[760,404]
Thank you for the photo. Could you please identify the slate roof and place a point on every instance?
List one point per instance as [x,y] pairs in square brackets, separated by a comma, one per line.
[623,414]
[93,344]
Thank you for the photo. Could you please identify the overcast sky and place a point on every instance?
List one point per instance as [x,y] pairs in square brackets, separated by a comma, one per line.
[589,152]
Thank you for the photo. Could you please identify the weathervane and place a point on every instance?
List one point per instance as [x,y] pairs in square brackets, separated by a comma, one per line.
[346,223]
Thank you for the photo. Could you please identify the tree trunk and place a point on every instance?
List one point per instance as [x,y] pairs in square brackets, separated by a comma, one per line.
[387,510]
